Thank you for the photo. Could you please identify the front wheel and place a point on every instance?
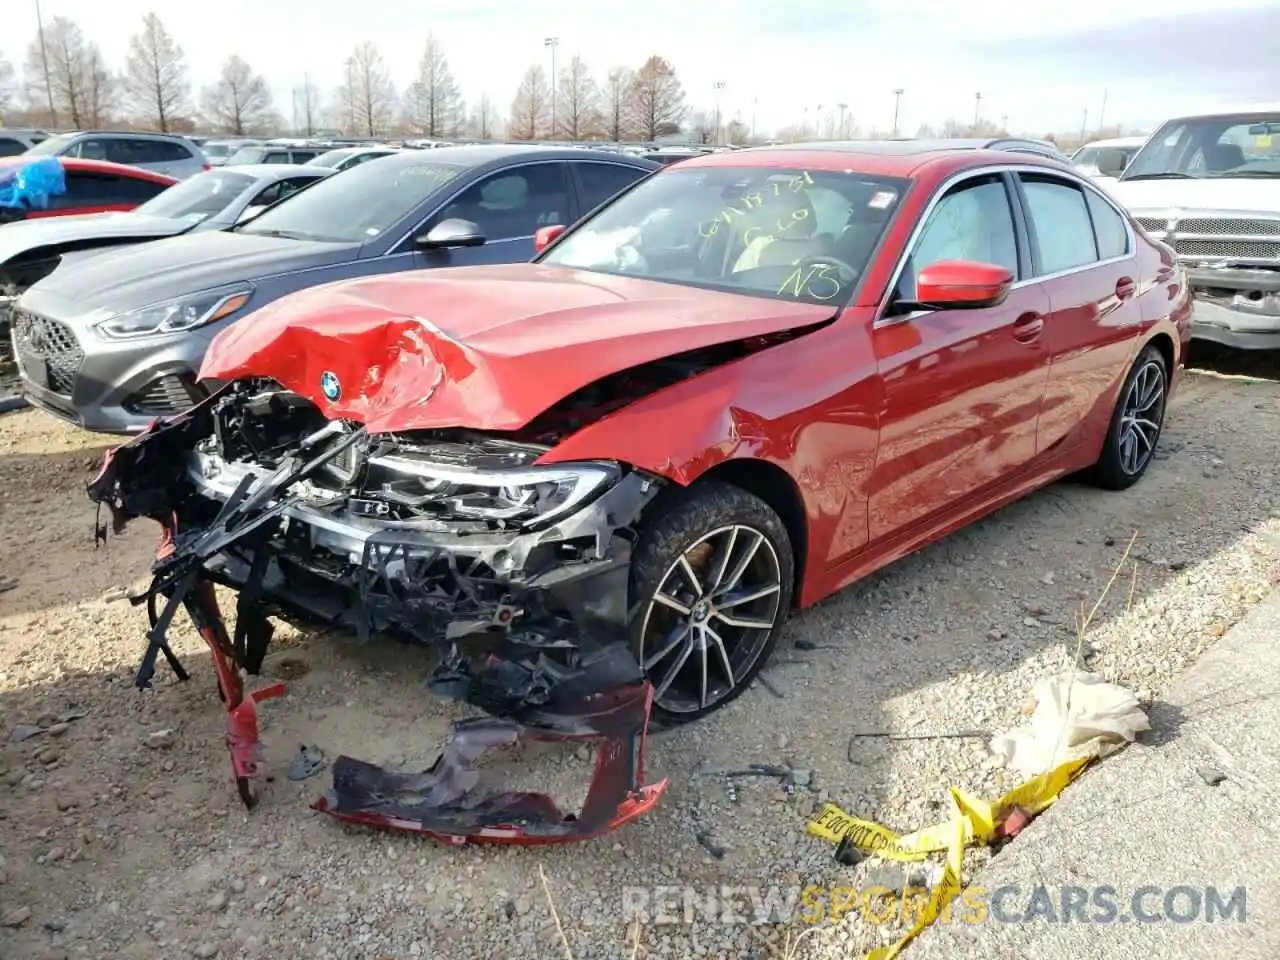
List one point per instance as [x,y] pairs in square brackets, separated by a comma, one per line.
[711,584]
[1136,424]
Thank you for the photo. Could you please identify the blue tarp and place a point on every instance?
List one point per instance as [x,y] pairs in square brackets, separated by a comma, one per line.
[28,186]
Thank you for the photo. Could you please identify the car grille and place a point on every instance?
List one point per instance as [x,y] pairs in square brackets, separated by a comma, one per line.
[164,397]
[49,340]
[1248,241]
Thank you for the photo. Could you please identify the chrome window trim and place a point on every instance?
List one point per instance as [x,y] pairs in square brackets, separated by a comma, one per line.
[1131,247]
[395,247]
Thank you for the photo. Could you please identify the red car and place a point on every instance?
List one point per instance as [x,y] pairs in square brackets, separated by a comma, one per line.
[95,186]
[741,385]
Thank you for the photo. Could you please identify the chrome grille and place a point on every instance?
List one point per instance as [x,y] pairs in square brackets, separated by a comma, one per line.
[1247,241]
[50,341]
[163,397]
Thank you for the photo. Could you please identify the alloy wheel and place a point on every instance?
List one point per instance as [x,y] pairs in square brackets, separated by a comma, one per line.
[1141,417]
[710,619]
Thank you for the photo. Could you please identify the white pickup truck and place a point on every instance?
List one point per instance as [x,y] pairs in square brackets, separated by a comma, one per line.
[1209,186]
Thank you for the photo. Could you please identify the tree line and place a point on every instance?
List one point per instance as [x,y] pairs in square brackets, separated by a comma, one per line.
[65,82]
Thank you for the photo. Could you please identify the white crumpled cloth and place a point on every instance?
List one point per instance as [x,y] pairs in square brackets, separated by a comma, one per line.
[1102,718]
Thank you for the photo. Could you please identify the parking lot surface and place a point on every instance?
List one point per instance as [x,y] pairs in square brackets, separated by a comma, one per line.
[121,836]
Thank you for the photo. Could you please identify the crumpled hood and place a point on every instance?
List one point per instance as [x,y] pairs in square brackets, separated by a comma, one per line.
[26,235]
[480,347]
[148,273]
[1220,194]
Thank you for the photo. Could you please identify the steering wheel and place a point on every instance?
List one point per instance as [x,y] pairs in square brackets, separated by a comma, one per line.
[847,273]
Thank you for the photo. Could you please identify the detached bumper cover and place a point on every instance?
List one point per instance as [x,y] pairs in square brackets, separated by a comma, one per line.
[554,665]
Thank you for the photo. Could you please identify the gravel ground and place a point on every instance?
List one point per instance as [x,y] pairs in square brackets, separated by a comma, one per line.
[120,835]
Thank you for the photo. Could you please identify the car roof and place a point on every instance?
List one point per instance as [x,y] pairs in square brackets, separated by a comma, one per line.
[471,156]
[1116,142]
[128,135]
[889,158]
[276,171]
[97,166]
[1234,110]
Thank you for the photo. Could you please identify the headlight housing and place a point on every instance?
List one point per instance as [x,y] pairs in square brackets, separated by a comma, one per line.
[175,316]
[518,497]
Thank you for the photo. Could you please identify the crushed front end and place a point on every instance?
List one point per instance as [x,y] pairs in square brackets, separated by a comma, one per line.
[515,573]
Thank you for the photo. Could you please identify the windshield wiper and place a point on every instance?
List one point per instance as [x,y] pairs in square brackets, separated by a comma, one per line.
[1232,174]
[1164,175]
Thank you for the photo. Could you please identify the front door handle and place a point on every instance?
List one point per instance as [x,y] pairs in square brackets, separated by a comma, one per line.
[1028,327]
[1126,288]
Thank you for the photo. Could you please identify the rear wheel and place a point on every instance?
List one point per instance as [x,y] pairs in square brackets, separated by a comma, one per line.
[1136,424]
[711,582]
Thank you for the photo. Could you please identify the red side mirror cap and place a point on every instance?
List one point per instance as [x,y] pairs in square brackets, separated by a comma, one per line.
[957,284]
[546,236]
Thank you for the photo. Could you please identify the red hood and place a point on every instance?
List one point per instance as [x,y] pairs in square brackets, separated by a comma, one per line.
[481,347]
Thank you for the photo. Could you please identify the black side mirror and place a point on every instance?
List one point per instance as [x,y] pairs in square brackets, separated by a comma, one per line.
[453,232]
[1111,162]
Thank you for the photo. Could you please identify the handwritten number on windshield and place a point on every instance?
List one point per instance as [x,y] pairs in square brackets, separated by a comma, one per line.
[815,280]
[753,201]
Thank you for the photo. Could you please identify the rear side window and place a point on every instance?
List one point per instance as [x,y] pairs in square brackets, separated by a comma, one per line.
[1060,223]
[602,181]
[10,147]
[277,157]
[1108,227]
[103,190]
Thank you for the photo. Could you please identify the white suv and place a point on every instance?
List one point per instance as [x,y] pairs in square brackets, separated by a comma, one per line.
[169,154]
[1208,185]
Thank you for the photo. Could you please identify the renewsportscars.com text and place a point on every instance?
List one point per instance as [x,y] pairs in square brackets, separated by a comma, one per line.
[974,904]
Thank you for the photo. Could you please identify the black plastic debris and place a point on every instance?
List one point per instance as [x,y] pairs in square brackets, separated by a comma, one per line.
[847,854]
[308,762]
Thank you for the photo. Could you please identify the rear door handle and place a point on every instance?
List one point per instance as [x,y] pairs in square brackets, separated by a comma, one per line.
[1126,288]
[1027,327]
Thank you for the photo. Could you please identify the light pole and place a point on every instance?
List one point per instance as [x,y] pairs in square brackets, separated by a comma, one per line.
[1004,123]
[719,88]
[897,101]
[842,107]
[977,107]
[817,122]
[1102,114]
[755,101]
[552,43]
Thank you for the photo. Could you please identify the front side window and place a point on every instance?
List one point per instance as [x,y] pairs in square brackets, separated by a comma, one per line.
[1060,221]
[973,221]
[1211,147]
[199,198]
[787,234]
[511,203]
[361,204]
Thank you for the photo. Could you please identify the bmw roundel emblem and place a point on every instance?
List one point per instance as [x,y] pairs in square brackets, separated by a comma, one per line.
[330,386]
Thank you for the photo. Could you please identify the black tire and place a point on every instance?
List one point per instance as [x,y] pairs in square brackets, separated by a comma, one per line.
[1117,468]
[729,655]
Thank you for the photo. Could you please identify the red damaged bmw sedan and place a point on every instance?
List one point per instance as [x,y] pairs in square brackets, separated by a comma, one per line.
[740,385]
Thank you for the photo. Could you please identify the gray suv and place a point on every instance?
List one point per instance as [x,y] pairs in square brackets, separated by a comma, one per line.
[172,155]
[14,142]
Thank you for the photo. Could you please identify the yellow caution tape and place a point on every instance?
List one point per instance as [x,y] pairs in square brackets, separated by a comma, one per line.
[972,821]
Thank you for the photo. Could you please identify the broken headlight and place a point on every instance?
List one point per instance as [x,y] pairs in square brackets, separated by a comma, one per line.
[517,497]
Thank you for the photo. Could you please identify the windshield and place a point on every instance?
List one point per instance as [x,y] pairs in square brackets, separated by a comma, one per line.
[51,146]
[786,234]
[363,203]
[218,149]
[197,198]
[1211,147]
[247,155]
[330,159]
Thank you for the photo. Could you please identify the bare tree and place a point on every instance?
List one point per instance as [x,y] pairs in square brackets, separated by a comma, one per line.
[658,98]
[306,106]
[484,122]
[56,70]
[578,114]
[531,109]
[368,98]
[432,105]
[155,75]
[702,124]
[925,132]
[618,106]
[240,101]
[7,85]
[101,90]
[736,132]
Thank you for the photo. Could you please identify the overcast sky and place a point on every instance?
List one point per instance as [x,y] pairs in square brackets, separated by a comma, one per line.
[1040,63]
